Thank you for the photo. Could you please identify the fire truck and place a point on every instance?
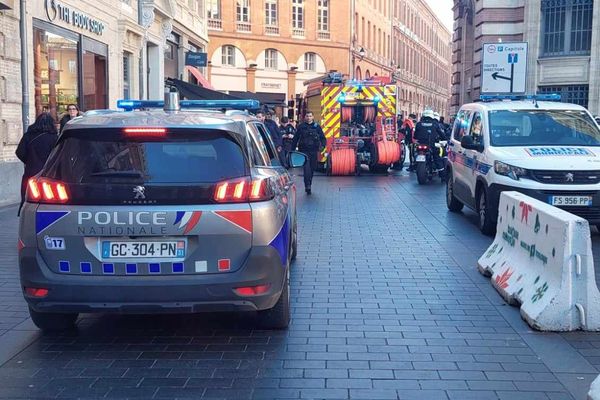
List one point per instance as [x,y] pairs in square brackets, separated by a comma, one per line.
[359,120]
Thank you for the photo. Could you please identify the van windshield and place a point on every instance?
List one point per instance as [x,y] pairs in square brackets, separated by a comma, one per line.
[542,128]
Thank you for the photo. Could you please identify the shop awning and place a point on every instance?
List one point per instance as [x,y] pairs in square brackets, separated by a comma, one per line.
[190,91]
[198,75]
[269,99]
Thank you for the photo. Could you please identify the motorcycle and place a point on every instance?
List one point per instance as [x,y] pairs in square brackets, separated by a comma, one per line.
[426,164]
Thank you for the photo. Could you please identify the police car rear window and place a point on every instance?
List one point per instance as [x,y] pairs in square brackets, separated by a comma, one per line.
[543,127]
[178,157]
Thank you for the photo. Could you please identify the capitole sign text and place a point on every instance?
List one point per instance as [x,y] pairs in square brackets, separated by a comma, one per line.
[57,10]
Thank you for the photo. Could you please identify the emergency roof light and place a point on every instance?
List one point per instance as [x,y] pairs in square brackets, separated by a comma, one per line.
[130,105]
[533,97]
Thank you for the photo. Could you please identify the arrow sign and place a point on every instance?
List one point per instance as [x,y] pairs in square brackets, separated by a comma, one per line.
[496,77]
[504,68]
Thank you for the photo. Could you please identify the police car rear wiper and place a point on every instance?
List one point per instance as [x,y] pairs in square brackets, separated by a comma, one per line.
[119,174]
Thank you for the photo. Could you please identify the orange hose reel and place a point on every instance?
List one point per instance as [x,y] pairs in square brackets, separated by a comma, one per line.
[343,162]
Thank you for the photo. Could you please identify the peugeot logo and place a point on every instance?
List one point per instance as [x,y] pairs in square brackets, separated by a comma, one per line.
[569,177]
[51,9]
[139,192]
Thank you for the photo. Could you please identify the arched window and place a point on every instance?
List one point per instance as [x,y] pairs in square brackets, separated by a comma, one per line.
[310,62]
[271,56]
[228,55]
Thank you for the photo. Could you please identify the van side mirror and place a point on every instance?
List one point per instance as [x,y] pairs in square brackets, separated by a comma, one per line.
[296,159]
[468,142]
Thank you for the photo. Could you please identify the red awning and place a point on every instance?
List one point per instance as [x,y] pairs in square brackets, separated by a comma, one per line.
[198,75]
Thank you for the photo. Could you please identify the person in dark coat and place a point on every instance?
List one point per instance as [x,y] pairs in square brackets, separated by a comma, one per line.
[310,140]
[274,132]
[35,147]
[72,112]
[287,135]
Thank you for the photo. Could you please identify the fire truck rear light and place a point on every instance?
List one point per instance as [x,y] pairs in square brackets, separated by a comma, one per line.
[252,290]
[36,292]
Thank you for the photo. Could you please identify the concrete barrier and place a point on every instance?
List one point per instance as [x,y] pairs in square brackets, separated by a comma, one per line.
[542,259]
[594,393]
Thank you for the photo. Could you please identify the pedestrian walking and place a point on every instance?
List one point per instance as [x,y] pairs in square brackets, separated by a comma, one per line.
[34,148]
[310,140]
[408,130]
[72,112]
[287,134]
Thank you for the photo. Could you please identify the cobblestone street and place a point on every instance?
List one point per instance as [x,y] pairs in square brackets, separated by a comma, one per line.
[387,304]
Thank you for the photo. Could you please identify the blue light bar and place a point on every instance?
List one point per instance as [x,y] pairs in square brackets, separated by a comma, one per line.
[130,105]
[536,97]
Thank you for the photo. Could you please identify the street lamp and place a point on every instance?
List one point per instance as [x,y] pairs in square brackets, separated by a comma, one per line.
[362,53]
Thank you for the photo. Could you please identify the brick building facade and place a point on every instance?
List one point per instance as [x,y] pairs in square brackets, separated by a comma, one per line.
[563,38]
[274,46]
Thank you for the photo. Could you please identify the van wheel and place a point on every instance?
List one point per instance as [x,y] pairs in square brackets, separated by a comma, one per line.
[278,317]
[452,202]
[486,225]
[53,321]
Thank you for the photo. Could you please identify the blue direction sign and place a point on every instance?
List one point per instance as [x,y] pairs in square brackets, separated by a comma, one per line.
[513,58]
[196,59]
[504,68]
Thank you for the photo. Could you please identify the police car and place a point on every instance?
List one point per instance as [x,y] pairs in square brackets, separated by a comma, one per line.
[544,149]
[181,209]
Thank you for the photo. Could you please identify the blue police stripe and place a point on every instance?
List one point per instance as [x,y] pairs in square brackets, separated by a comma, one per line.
[281,243]
[179,217]
[43,219]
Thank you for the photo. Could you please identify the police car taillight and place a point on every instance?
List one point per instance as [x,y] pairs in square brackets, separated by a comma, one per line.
[243,190]
[42,190]
[143,132]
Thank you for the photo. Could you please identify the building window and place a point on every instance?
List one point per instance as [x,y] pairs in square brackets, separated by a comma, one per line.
[213,9]
[271,56]
[228,55]
[323,16]
[126,75]
[243,11]
[271,12]
[298,14]
[575,94]
[310,62]
[566,27]
[171,63]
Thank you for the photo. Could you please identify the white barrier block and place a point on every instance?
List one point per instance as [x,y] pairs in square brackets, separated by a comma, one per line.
[594,393]
[542,259]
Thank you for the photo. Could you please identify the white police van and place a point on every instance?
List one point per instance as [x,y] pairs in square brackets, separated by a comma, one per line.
[544,149]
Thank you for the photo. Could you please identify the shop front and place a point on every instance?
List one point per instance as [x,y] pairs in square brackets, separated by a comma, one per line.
[70,57]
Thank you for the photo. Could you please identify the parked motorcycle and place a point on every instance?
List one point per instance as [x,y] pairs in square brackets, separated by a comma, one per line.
[426,164]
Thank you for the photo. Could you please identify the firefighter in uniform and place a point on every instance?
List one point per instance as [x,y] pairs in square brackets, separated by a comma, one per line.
[309,139]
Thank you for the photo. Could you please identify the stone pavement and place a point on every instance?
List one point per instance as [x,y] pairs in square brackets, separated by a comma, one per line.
[387,304]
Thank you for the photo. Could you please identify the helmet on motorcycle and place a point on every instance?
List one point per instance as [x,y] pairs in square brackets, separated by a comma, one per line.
[428,114]
[436,116]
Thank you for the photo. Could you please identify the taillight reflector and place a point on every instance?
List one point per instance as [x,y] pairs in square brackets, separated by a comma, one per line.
[33,190]
[243,190]
[252,290]
[36,292]
[46,191]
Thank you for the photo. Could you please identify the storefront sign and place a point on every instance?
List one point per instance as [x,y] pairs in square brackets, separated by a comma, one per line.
[57,10]
[195,59]
[268,85]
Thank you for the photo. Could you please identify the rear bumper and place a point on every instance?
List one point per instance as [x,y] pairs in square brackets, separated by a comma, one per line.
[592,214]
[154,294]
